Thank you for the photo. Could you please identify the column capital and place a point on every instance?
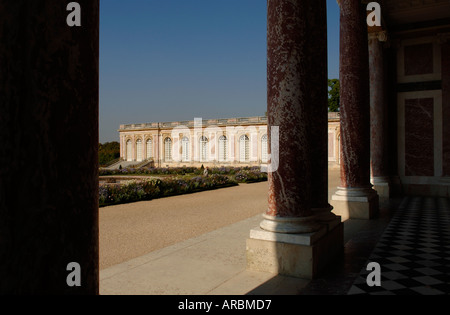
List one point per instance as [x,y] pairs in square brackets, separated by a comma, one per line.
[443,38]
[381,36]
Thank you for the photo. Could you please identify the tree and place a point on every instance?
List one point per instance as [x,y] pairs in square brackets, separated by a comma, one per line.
[108,152]
[333,95]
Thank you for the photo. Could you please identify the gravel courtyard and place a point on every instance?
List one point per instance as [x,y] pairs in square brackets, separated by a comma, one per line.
[132,230]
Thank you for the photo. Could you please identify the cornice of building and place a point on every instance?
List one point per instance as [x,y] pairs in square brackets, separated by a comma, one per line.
[237,121]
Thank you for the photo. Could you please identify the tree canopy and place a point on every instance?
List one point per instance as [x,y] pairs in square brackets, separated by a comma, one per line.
[108,152]
[333,95]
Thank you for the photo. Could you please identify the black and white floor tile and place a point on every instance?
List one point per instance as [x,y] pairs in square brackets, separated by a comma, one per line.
[413,252]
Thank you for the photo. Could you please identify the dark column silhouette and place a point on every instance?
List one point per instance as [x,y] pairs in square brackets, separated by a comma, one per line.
[49,148]
[317,94]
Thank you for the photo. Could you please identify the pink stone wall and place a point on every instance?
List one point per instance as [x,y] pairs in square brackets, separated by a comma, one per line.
[419,59]
[419,137]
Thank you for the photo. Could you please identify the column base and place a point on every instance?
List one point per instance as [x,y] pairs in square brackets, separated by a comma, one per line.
[355,203]
[290,225]
[382,186]
[296,255]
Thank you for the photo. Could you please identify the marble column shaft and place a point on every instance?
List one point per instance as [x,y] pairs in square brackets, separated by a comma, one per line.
[49,152]
[378,109]
[354,96]
[297,103]
[317,87]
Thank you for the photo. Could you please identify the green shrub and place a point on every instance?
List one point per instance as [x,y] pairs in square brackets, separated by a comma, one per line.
[156,188]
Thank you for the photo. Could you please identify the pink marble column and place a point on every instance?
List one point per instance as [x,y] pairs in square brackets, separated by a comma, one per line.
[355,114]
[378,115]
[354,94]
[299,236]
[317,63]
[297,104]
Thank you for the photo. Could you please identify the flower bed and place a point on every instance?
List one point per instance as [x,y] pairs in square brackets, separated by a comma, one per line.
[250,176]
[223,170]
[152,171]
[156,188]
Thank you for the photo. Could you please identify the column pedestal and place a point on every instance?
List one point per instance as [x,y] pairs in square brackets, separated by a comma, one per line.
[296,255]
[355,203]
[382,186]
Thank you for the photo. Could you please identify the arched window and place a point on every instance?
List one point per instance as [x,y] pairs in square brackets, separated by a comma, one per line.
[223,152]
[168,149]
[139,150]
[264,149]
[185,149]
[149,145]
[203,148]
[129,148]
[244,148]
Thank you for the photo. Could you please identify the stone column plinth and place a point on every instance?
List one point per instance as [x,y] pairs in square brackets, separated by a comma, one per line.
[299,235]
[49,151]
[355,198]
[378,117]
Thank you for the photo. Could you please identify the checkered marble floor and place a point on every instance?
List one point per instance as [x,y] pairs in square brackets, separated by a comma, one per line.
[413,252]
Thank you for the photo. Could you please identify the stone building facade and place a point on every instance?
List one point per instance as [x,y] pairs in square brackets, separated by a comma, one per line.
[212,142]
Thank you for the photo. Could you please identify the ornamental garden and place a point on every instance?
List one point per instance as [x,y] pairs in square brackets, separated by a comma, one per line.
[131,185]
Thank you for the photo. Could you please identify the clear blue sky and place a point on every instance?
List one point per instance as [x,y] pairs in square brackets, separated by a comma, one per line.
[169,60]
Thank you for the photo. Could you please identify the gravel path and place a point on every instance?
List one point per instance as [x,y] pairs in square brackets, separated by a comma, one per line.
[131,230]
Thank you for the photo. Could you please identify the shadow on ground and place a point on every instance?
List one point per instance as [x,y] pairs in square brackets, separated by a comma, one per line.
[360,238]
